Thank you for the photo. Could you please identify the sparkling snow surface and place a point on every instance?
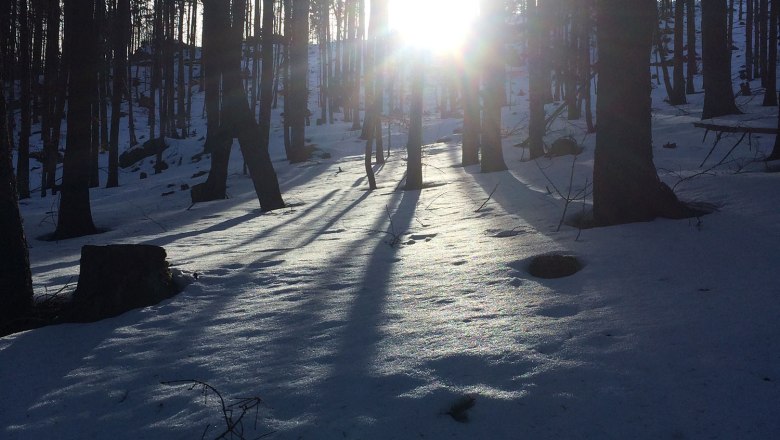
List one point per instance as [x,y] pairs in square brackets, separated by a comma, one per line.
[368,315]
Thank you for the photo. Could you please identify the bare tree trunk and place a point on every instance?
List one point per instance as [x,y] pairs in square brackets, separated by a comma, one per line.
[75,214]
[472,123]
[298,93]
[494,78]
[770,96]
[15,277]
[692,69]
[749,41]
[23,158]
[120,32]
[537,31]
[677,96]
[626,187]
[716,57]
[414,178]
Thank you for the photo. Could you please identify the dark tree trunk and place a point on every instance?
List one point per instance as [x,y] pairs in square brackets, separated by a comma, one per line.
[626,187]
[298,93]
[15,277]
[181,90]
[763,50]
[749,41]
[237,119]
[75,215]
[716,58]
[23,158]
[120,32]
[691,42]
[211,75]
[537,32]
[472,124]
[380,20]
[50,123]
[776,149]
[494,77]
[571,62]
[770,96]
[267,75]
[678,91]
[414,178]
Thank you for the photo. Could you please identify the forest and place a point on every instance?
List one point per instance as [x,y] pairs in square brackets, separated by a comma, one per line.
[389,219]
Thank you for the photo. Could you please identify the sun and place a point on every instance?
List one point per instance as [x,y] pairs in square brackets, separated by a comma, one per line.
[438,26]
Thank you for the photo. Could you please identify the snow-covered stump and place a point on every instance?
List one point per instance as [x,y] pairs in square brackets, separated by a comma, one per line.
[117,278]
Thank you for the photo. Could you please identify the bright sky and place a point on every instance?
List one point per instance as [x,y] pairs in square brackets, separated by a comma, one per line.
[436,25]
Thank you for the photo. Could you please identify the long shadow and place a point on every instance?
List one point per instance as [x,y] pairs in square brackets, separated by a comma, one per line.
[353,370]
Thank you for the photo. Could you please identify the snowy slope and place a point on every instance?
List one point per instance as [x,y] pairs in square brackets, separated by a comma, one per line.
[368,315]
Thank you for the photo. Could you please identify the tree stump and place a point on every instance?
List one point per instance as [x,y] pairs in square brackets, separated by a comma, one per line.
[117,278]
[554,266]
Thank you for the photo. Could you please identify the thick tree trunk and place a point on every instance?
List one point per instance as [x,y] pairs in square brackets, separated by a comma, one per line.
[238,121]
[472,123]
[692,68]
[770,96]
[23,158]
[211,74]
[15,277]
[75,215]
[414,178]
[716,57]
[494,78]
[749,41]
[298,93]
[536,83]
[120,31]
[626,187]
[677,96]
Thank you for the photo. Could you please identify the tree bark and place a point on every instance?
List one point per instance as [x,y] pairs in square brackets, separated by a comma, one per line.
[120,31]
[716,58]
[626,187]
[75,215]
[494,78]
[15,276]
[472,124]
[692,69]
[678,91]
[414,178]
[23,158]
[770,96]
[298,93]
[537,31]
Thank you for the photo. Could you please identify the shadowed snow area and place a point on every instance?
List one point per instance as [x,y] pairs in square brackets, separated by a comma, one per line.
[370,315]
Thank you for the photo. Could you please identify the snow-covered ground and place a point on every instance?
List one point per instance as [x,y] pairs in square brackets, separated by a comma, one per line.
[373,315]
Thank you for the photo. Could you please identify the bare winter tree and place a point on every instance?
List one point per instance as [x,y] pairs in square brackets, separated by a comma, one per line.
[626,187]
[536,84]
[75,214]
[716,59]
[414,178]
[15,277]
[298,92]
[493,82]
[236,118]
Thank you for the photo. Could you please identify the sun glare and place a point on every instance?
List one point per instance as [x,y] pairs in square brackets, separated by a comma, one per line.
[439,26]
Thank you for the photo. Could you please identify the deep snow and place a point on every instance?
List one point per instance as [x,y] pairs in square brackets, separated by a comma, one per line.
[357,314]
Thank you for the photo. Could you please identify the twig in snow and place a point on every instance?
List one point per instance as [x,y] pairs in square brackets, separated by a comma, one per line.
[568,197]
[234,427]
[488,199]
